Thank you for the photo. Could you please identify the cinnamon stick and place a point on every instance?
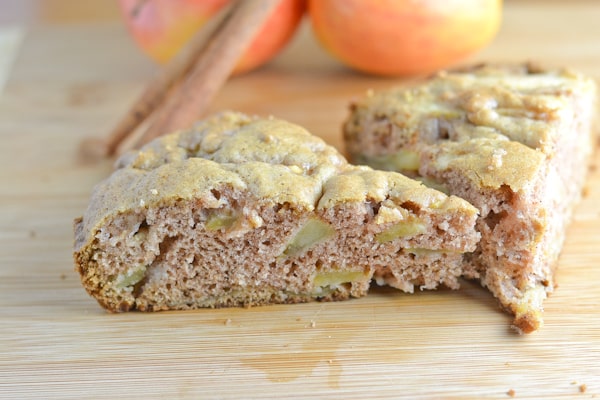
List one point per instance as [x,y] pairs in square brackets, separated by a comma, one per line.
[157,91]
[191,99]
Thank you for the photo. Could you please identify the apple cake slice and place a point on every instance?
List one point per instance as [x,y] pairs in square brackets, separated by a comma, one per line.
[244,211]
[514,141]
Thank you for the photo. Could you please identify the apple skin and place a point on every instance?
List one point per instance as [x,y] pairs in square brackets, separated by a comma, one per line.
[403,37]
[162,27]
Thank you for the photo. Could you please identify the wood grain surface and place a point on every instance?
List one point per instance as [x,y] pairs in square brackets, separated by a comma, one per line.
[72,80]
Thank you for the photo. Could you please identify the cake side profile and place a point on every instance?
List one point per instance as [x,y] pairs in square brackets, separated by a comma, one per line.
[246,211]
[514,141]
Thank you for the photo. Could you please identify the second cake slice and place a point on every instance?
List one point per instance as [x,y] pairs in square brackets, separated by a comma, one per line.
[513,140]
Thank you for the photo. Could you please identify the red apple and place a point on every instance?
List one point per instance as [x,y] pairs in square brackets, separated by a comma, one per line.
[162,27]
[397,37]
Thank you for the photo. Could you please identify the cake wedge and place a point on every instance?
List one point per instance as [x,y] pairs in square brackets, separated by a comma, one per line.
[241,211]
[514,140]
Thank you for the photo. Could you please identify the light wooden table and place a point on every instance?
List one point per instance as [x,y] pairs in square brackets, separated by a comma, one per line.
[70,76]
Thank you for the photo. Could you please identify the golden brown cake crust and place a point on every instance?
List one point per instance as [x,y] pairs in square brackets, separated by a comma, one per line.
[188,164]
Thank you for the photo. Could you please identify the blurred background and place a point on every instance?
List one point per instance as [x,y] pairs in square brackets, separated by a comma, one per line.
[65,11]
[57,11]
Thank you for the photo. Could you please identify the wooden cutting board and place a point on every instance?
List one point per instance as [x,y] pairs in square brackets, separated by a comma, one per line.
[73,81]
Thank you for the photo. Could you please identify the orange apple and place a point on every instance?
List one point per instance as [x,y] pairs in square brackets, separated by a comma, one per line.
[162,27]
[400,37]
